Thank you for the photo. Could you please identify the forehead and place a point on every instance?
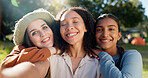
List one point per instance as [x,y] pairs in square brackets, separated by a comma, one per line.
[69,15]
[107,21]
[36,23]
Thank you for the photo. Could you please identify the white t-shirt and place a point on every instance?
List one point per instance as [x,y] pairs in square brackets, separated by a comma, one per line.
[61,67]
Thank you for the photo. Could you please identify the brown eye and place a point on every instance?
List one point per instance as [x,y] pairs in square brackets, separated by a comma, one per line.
[34,33]
[75,22]
[111,29]
[45,27]
[99,29]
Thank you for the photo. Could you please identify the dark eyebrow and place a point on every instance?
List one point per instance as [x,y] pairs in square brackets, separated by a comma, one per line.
[108,26]
[43,24]
[34,29]
[111,25]
[75,18]
[98,26]
[31,31]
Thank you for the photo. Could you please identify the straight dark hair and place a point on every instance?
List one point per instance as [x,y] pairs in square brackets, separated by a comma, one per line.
[120,49]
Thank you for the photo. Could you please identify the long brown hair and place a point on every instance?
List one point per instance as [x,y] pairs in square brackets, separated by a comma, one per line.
[28,43]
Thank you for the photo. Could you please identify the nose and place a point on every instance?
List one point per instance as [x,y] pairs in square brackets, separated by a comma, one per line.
[69,27]
[105,33]
[42,33]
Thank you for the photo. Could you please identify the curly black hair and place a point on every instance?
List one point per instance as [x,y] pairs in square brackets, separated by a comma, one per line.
[89,36]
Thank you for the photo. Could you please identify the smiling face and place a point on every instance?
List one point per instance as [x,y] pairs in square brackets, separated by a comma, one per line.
[72,27]
[107,33]
[40,33]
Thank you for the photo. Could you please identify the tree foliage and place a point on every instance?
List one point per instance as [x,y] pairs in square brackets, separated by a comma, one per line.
[13,10]
[130,13]
[10,13]
[143,26]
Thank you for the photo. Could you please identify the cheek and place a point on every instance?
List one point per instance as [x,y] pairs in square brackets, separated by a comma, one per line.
[49,32]
[116,37]
[82,27]
[62,32]
[34,39]
[98,35]
[31,38]
[97,38]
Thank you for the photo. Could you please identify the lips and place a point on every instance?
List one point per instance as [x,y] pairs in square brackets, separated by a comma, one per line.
[70,35]
[45,40]
[105,40]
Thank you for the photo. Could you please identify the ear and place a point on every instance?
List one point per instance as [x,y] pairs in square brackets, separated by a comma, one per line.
[85,30]
[119,35]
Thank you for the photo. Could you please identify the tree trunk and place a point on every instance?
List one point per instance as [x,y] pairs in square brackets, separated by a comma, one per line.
[0,20]
[146,31]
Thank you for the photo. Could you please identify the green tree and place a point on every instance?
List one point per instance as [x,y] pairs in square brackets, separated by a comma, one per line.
[128,13]
[143,26]
[11,13]
[93,6]
[0,20]
[54,6]
[13,10]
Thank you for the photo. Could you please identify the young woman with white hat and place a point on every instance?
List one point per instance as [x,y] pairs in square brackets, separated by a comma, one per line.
[32,32]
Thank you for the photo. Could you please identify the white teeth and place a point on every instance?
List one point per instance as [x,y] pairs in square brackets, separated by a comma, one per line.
[105,40]
[69,35]
[45,39]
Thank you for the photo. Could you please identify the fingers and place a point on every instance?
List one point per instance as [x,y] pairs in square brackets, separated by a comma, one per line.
[92,54]
[52,50]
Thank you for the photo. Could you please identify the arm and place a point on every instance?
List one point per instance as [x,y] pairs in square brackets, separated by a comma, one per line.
[131,65]
[1,75]
[11,59]
[27,70]
[20,54]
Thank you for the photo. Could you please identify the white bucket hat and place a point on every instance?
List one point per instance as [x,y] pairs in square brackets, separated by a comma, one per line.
[22,24]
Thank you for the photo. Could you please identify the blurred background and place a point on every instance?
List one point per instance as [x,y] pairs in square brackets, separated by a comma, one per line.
[132,15]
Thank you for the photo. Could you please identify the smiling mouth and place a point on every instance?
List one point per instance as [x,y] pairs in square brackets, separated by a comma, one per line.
[105,40]
[71,35]
[45,40]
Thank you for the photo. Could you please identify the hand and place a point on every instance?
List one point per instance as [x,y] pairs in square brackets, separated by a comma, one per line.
[101,76]
[95,53]
[54,51]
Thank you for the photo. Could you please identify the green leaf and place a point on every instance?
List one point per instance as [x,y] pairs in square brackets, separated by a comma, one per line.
[14,2]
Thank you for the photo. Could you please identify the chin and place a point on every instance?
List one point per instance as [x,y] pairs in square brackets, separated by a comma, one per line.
[104,47]
[50,45]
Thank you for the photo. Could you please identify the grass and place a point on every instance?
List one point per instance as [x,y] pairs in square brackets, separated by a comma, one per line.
[144,52]
[6,47]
